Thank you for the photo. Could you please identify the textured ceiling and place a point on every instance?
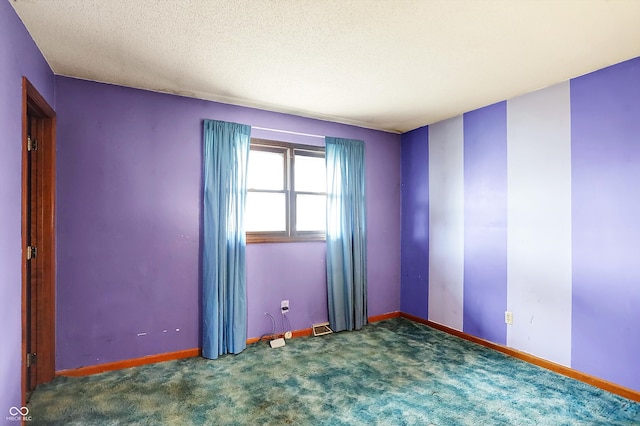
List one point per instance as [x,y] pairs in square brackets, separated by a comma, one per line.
[385,64]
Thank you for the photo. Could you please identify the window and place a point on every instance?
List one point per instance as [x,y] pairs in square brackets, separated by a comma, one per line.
[286,192]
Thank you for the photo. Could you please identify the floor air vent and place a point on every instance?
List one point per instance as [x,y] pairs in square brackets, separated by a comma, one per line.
[321,329]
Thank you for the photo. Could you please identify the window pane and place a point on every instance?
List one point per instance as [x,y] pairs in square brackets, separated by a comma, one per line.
[310,174]
[266,170]
[266,212]
[311,212]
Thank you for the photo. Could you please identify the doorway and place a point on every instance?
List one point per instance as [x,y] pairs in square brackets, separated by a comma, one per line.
[38,240]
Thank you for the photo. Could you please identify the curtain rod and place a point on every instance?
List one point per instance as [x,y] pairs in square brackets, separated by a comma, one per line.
[288,132]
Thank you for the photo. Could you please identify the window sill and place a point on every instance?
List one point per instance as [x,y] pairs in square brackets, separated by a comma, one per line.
[261,239]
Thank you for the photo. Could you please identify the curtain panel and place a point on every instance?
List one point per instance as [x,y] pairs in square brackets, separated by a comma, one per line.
[224,301]
[346,234]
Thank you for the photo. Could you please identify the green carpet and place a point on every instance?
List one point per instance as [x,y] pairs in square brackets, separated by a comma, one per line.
[393,372]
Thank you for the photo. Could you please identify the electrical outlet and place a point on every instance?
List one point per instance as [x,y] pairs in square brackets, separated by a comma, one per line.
[284,306]
[508,317]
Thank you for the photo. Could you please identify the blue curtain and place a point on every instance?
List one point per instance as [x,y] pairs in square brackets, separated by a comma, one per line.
[346,234]
[224,301]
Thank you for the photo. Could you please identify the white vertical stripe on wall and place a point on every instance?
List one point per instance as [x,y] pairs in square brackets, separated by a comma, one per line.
[446,222]
[539,223]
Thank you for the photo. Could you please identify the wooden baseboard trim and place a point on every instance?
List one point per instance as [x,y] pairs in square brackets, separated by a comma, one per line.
[302,333]
[126,363]
[295,333]
[383,317]
[309,331]
[532,359]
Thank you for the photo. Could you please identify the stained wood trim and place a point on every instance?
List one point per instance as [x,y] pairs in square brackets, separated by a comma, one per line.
[259,239]
[309,331]
[37,98]
[302,333]
[25,237]
[532,359]
[32,99]
[294,334]
[127,363]
[383,317]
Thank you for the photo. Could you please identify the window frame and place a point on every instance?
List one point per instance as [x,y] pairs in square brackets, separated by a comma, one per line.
[290,151]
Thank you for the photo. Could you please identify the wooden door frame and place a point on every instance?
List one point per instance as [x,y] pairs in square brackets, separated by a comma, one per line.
[31,99]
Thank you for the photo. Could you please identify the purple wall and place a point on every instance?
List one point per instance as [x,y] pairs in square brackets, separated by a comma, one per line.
[280,271]
[485,222]
[415,222]
[129,195]
[19,57]
[603,256]
[605,131]
[128,224]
